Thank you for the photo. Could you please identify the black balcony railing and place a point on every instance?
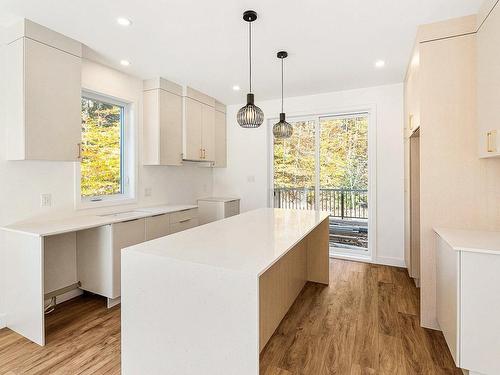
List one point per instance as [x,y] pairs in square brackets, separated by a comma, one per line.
[342,203]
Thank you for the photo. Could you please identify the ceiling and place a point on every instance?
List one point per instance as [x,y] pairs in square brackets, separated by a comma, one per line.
[332,44]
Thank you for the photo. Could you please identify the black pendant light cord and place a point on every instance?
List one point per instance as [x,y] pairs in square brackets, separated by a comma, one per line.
[282,85]
[250,52]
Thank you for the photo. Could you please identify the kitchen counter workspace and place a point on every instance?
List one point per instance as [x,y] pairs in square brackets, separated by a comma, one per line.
[43,227]
[50,261]
[217,292]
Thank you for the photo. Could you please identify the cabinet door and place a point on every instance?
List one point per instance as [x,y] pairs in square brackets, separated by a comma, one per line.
[125,234]
[480,306]
[157,226]
[52,84]
[488,85]
[220,140]
[95,260]
[192,129]
[183,225]
[208,132]
[170,128]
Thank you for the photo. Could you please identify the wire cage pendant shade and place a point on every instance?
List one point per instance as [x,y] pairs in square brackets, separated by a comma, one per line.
[250,116]
[282,129]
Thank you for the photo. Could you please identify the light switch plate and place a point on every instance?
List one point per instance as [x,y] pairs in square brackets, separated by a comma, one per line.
[45,200]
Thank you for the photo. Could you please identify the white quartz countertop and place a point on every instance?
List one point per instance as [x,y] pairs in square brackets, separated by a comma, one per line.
[250,242]
[219,199]
[44,227]
[471,240]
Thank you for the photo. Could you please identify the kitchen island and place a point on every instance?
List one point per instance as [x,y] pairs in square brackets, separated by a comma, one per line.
[207,300]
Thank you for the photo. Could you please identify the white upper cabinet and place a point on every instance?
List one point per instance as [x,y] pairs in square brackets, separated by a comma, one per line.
[220,136]
[488,85]
[162,125]
[199,126]
[208,132]
[43,94]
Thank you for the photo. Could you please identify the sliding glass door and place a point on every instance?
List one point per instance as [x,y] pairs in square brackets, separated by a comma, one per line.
[343,180]
[324,165]
[295,167]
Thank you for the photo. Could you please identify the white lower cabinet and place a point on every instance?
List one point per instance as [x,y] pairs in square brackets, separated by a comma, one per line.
[99,253]
[99,249]
[214,208]
[468,304]
[125,234]
[157,226]
[183,220]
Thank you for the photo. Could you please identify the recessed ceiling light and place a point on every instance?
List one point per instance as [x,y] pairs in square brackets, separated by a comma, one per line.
[379,63]
[236,88]
[125,62]
[123,21]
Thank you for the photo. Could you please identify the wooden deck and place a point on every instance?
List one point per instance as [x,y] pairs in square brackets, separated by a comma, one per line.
[365,322]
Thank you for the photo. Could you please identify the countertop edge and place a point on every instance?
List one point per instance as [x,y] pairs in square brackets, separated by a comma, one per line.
[445,234]
[142,212]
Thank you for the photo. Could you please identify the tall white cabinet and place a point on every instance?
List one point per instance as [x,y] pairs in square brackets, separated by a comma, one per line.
[43,92]
[488,84]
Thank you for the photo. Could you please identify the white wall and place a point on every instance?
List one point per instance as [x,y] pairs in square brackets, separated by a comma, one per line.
[247,170]
[22,182]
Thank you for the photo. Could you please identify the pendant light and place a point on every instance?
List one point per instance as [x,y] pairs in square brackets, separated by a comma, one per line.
[282,129]
[250,116]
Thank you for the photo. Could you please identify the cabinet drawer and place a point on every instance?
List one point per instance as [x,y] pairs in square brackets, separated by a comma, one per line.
[180,216]
[157,226]
[232,208]
[183,225]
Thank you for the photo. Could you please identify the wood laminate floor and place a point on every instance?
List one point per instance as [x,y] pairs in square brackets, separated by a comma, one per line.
[365,322]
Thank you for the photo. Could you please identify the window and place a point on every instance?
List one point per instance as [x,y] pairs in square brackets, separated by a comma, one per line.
[104,173]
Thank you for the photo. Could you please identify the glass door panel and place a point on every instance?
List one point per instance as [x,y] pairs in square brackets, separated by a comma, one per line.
[343,180]
[294,166]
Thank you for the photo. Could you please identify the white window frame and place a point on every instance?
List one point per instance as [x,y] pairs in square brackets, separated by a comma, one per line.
[128,169]
[371,111]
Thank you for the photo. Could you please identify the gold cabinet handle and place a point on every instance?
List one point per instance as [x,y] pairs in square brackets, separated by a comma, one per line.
[204,154]
[491,141]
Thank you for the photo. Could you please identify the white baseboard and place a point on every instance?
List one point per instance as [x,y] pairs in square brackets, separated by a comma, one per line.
[3,323]
[353,257]
[380,260]
[396,262]
[67,296]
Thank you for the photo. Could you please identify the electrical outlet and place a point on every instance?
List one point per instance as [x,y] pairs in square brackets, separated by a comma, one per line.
[148,192]
[45,200]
